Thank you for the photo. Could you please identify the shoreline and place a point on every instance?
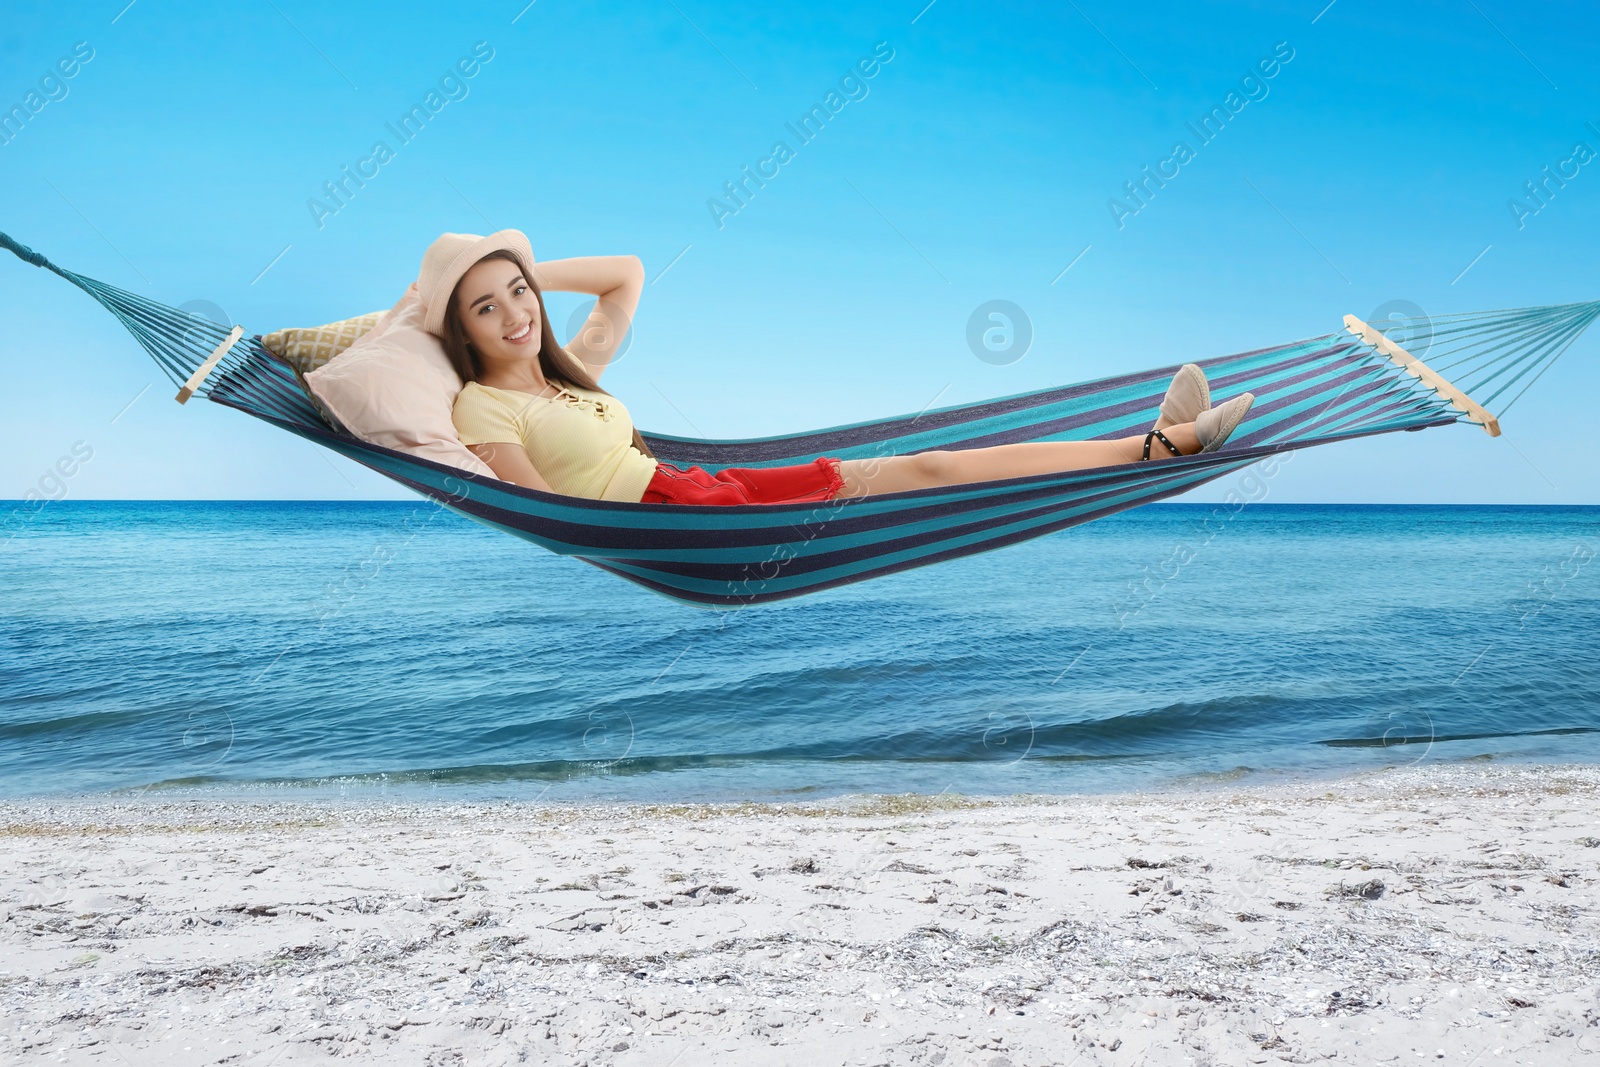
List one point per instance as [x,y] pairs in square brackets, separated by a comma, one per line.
[588,790]
[1367,918]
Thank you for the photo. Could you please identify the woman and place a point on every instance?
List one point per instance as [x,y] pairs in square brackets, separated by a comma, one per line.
[534,413]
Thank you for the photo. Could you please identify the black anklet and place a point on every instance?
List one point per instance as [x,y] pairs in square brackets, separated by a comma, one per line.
[1158,435]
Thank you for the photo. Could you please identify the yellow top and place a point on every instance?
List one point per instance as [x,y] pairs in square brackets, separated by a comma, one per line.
[580,441]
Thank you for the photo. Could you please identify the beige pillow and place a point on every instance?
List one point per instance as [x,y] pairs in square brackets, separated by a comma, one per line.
[308,347]
[395,387]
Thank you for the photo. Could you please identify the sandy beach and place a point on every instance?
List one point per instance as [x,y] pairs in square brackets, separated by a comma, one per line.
[1440,914]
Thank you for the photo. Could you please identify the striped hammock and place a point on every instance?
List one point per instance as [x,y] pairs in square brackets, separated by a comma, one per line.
[1350,383]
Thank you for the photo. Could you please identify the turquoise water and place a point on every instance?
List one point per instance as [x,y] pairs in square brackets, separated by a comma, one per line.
[394,648]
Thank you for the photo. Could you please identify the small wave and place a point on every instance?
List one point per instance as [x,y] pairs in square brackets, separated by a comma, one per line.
[1387,740]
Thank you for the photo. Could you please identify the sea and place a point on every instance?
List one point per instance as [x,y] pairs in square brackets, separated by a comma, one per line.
[373,650]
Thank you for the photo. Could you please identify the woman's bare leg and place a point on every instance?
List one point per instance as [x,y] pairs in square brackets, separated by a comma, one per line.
[927,470]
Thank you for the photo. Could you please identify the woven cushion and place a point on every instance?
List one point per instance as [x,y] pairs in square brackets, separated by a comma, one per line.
[306,348]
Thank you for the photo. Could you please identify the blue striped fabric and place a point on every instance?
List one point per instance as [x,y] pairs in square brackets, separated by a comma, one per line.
[1322,389]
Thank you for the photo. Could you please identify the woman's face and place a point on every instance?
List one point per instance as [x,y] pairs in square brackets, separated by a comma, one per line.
[499,312]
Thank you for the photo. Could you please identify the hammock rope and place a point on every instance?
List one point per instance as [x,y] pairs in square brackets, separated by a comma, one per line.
[1333,387]
[1493,344]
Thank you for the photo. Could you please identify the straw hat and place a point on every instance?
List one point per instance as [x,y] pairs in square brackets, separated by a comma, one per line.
[451,256]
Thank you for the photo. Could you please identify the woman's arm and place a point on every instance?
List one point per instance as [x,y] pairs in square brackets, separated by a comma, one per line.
[510,463]
[618,281]
[596,275]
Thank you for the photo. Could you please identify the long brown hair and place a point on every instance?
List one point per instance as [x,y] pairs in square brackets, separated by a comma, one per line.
[560,368]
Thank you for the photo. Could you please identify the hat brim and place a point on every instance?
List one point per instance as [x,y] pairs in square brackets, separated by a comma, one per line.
[437,302]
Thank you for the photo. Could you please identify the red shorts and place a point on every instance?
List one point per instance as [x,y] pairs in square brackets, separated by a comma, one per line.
[800,484]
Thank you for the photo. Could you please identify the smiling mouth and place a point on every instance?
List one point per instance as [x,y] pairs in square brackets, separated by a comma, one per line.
[522,334]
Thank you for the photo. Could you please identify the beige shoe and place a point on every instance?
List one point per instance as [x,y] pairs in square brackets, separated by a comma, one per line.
[1187,396]
[1214,425]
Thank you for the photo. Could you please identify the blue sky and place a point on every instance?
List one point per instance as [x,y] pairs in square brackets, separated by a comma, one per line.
[1374,166]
